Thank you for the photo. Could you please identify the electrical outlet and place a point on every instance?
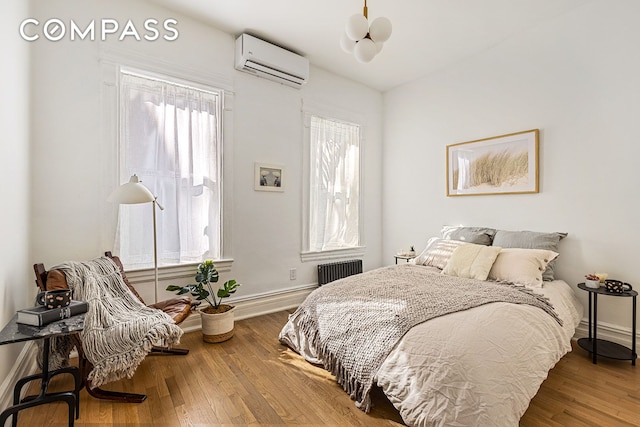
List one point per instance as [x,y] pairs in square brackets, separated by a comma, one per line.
[292,274]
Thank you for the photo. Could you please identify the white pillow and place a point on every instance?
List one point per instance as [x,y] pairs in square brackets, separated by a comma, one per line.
[437,252]
[523,266]
[471,261]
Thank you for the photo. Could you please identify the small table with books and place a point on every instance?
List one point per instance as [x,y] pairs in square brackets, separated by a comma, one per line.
[15,332]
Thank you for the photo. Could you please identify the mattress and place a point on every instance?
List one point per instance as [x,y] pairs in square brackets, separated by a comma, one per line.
[476,367]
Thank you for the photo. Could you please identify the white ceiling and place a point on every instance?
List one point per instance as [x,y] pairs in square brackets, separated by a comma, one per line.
[428,35]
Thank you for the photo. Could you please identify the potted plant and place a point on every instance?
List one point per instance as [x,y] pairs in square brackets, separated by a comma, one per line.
[217,318]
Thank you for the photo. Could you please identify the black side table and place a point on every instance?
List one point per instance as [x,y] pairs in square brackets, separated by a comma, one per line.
[16,332]
[598,347]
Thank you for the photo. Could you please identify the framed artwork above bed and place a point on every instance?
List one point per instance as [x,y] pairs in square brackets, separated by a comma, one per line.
[505,164]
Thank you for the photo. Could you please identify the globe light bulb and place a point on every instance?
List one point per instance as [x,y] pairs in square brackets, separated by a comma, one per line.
[357,27]
[365,50]
[380,30]
[346,43]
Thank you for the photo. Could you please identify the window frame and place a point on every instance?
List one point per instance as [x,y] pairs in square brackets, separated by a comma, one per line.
[111,60]
[189,85]
[330,113]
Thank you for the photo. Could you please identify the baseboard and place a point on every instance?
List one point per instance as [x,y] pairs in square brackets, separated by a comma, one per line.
[606,331]
[25,365]
[257,305]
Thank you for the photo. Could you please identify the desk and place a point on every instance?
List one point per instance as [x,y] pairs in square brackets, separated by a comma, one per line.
[15,332]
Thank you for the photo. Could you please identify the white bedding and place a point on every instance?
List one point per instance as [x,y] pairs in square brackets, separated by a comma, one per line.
[477,367]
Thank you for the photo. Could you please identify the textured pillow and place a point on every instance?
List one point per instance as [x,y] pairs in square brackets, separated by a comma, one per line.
[522,266]
[437,252]
[531,240]
[471,261]
[477,235]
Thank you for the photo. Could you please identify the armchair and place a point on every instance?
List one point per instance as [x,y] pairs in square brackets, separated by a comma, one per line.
[177,308]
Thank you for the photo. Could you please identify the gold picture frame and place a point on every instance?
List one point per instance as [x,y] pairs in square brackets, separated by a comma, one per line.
[505,164]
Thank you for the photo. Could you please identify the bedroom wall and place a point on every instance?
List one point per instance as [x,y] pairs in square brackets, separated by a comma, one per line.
[15,271]
[74,164]
[574,77]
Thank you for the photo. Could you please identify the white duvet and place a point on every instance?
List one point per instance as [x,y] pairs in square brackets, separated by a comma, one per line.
[479,367]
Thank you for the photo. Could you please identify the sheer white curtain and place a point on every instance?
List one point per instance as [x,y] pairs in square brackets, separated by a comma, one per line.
[334,201]
[170,138]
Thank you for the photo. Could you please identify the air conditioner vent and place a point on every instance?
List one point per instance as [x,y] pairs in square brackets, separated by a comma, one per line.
[270,61]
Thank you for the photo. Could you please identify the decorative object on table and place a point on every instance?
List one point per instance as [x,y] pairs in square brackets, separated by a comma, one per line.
[616,286]
[505,164]
[57,298]
[268,177]
[41,315]
[363,40]
[412,251]
[592,281]
[134,192]
[217,318]
[602,277]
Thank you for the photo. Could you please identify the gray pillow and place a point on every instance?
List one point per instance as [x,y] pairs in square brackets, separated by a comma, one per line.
[531,240]
[477,235]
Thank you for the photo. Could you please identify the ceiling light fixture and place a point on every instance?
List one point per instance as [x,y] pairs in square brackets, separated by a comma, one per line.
[365,41]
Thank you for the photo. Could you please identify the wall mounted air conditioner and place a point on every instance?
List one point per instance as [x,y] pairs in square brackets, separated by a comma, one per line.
[266,60]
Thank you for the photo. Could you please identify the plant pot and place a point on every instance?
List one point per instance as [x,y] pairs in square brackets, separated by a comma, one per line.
[217,327]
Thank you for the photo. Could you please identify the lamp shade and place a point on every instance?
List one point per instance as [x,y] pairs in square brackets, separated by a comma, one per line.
[132,192]
[363,40]
[357,27]
[365,50]
[346,43]
[380,30]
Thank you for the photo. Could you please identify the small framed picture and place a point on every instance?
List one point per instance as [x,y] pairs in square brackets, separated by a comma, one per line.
[269,177]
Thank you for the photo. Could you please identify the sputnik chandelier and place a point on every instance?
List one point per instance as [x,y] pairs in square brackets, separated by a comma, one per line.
[365,41]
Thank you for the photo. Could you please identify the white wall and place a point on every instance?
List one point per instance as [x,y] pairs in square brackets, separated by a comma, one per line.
[74,163]
[16,277]
[576,78]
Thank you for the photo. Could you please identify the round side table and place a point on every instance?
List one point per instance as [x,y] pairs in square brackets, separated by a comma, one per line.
[599,347]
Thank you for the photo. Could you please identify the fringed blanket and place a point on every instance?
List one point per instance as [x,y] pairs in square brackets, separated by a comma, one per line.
[119,330]
[354,323]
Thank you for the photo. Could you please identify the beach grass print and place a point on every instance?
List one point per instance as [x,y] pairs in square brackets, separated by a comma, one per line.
[497,170]
[504,164]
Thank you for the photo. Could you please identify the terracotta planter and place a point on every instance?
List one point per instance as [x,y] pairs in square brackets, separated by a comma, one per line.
[217,327]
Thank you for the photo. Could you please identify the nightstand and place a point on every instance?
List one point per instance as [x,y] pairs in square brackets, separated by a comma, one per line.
[405,257]
[598,347]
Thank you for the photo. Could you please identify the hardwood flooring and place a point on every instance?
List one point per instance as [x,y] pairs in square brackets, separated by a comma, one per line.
[253,380]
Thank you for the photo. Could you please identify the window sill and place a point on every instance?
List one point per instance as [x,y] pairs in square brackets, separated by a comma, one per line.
[172,272]
[335,254]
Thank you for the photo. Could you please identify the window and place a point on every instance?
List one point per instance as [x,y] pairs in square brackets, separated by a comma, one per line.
[334,185]
[170,136]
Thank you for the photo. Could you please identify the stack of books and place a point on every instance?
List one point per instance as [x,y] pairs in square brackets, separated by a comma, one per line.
[40,315]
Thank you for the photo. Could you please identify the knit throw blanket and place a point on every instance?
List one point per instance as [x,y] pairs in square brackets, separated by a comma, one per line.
[119,330]
[354,323]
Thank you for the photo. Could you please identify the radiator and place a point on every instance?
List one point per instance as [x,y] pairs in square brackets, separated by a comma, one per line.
[338,270]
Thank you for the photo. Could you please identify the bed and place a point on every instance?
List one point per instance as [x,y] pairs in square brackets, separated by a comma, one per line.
[479,363]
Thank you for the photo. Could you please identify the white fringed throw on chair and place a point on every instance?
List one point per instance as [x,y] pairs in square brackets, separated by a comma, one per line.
[119,331]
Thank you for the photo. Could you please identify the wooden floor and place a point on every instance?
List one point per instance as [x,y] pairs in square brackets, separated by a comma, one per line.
[252,379]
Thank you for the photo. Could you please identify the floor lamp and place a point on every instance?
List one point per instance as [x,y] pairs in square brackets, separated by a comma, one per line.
[134,192]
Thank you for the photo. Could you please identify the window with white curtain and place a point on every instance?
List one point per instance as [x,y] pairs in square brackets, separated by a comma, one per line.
[170,136]
[334,185]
